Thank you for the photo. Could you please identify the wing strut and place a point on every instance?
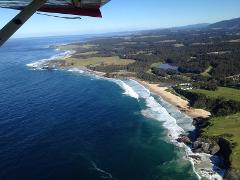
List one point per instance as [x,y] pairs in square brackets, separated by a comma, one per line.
[8,30]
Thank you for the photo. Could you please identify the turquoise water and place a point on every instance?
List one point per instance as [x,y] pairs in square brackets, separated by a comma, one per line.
[70,125]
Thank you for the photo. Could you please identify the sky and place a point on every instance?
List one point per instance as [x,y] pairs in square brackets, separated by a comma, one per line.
[128,15]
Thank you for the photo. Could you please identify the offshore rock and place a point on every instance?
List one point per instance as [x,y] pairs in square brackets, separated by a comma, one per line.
[184,139]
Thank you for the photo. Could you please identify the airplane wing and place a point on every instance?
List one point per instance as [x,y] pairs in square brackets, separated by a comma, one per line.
[74,7]
[29,7]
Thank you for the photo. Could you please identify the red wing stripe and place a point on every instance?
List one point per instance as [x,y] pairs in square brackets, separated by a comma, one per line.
[72,10]
[69,10]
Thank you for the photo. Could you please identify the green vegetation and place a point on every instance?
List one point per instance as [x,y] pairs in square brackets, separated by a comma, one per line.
[156,65]
[172,91]
[68,47]
[229,128]
[140,55]
[227,93]
[97,61]
[207,71]
[75,47]
[218,106]
[87,53]
[226,117]
[150,48]
[88,46]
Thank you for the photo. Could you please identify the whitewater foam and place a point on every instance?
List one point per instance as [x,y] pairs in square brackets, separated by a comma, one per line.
[161,111]
[128,90]
[155,110]
[164,112]
[204,167]
[104,174]
[77,70]
[40,63]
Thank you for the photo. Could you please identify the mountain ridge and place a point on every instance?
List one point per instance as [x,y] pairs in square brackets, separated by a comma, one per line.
[226,24]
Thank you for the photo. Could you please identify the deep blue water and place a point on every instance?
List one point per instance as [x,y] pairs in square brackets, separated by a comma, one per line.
[65,125]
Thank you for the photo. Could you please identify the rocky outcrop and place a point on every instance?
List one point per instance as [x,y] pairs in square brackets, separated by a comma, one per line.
[195,157]
[184,139]
[215,146]
[233,174]
[202,145]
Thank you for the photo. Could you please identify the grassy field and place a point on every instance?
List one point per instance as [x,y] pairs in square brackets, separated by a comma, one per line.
[227,125]
[207,71]
[156,65]
[228,93]
[73,46]
[97,61]
[87,53]
[67,47]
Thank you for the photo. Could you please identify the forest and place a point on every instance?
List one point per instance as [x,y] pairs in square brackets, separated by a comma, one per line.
[206,56]
[206,59]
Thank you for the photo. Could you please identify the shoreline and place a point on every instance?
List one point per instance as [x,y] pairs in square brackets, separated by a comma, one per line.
[174,100]
[202,163]
[177,101]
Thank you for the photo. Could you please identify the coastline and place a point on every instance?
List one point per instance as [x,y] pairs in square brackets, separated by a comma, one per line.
[205,165]
[175,100]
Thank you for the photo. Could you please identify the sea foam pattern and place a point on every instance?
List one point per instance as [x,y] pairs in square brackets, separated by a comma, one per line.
[127,89]
[166,113]
[173,120]
[155,110]
[38,65]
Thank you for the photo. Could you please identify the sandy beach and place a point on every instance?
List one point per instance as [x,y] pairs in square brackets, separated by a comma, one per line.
[175,100]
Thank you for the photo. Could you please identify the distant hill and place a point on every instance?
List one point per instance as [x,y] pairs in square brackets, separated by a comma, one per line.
[227,24]
[192,26]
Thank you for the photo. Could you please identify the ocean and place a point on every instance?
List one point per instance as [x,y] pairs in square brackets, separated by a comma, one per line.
[74,125]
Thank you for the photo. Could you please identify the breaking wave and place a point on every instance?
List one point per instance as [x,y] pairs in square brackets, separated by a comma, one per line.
[155,110]
[39,64]
[128,90]
[77,70]
[172,119]
[176,123]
